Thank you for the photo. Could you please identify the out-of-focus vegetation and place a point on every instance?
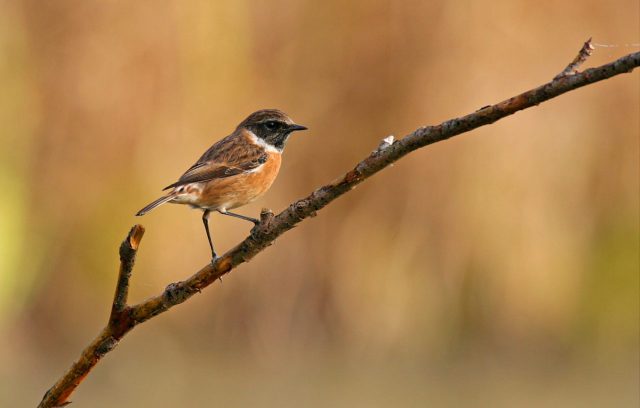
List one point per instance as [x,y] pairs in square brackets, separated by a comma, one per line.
[496,269]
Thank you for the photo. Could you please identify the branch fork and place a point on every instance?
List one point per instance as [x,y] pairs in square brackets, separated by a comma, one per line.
[584,53]
[118,325]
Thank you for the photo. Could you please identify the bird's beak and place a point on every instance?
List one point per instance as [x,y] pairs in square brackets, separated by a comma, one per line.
[295,127]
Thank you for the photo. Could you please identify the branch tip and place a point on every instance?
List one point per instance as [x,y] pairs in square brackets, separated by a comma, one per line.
[584,53]
[128,251]
[135,236]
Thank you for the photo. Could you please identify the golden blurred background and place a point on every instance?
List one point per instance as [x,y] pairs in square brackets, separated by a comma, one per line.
[497,269]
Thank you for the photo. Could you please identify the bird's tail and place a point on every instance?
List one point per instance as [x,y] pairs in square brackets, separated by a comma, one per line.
[156,203]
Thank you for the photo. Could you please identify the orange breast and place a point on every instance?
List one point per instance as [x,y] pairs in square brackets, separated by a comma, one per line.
[236,191]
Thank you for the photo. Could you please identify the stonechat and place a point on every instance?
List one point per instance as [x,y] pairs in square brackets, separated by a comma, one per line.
[235,170]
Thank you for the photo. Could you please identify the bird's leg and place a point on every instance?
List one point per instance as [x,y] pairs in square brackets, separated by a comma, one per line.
[242,217]
[205,221]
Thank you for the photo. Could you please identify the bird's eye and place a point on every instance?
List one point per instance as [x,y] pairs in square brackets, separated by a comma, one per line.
[271,125]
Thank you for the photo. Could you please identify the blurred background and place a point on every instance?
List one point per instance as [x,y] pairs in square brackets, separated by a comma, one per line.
[499,268]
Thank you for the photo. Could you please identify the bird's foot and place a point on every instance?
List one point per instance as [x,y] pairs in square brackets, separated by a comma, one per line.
[214,258]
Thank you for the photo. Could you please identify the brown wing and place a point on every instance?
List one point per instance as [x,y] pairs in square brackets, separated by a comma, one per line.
[235,154]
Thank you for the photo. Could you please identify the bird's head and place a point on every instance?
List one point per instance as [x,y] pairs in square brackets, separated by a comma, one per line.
[271,126]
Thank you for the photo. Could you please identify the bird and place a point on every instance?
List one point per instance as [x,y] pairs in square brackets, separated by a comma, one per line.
[235,170]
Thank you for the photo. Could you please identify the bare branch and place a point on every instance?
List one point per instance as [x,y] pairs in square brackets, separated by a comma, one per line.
[128,250]
[124,318]
[584,53]
[108,338]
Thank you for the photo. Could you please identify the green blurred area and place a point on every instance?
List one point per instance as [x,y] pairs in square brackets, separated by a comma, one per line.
[500,268]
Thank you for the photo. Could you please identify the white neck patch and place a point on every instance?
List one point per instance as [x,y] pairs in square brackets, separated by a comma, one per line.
[260,142]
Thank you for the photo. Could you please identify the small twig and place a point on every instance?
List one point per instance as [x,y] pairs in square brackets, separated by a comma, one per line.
[119,324]
[124,318]
[584,53]
[128,250]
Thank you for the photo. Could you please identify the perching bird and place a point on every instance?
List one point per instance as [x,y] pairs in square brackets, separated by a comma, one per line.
[235,170]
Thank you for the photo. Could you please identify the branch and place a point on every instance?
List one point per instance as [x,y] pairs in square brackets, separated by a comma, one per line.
[110,335]
[128,250]
[124,318]
[584,53]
